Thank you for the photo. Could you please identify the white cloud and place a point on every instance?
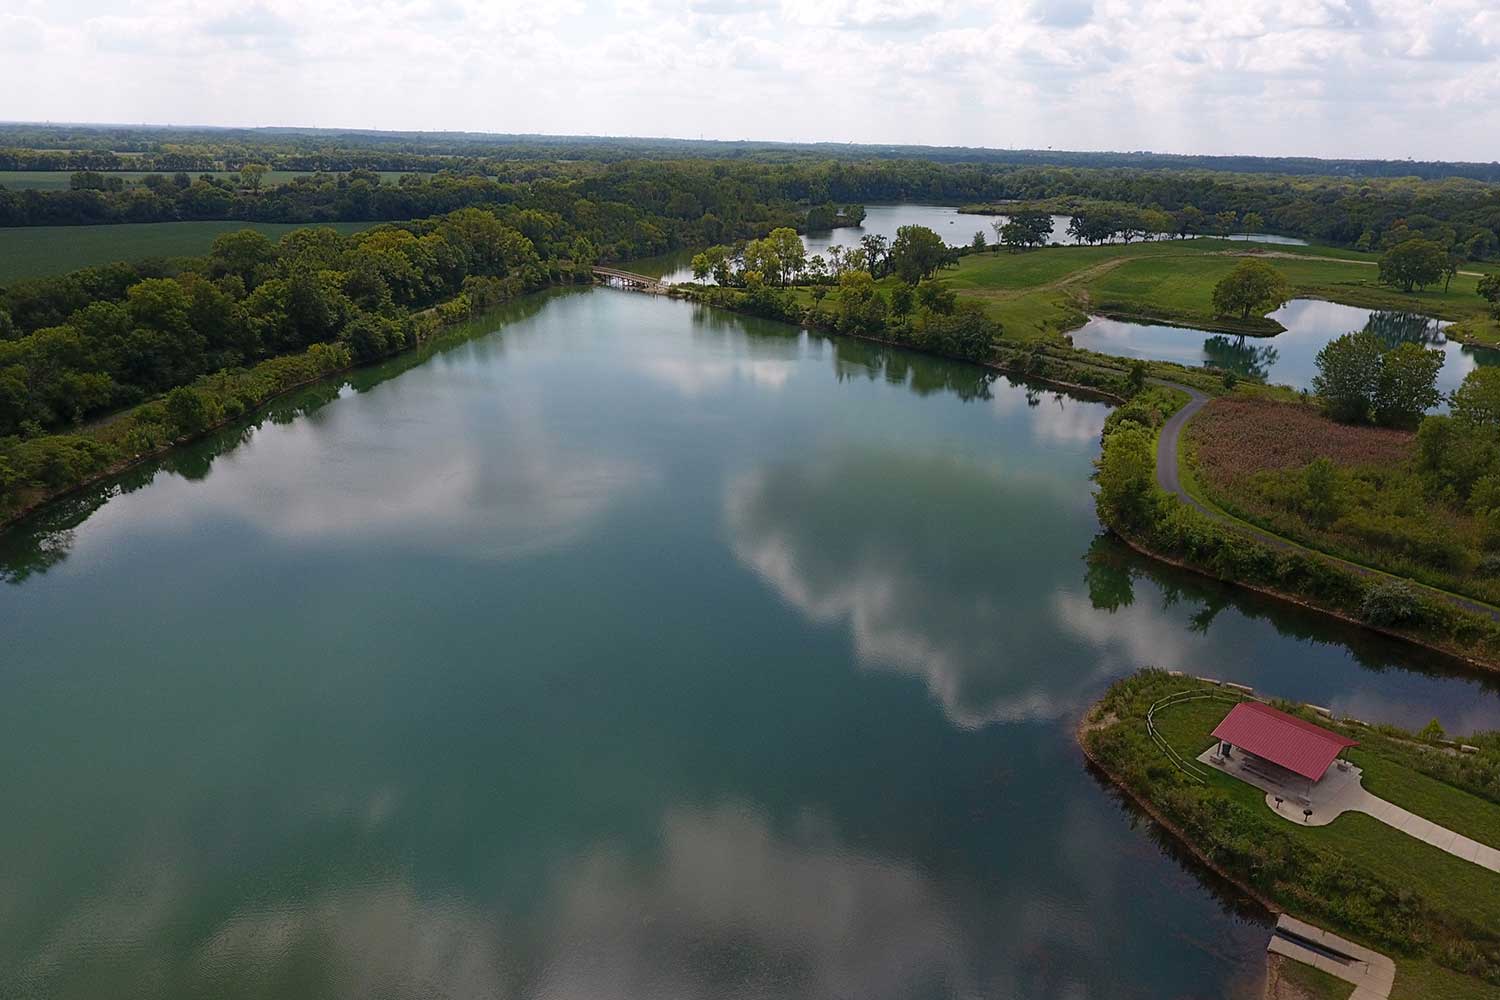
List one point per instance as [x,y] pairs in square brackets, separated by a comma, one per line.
[1328,77]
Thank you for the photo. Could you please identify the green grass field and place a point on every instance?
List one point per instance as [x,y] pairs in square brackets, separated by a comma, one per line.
[1044,293]
[58,180]
[33,252]
[1315,983]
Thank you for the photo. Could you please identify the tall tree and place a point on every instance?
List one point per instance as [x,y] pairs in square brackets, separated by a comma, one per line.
[916,253]
[1349,376]
[1253,286]
[1413,264]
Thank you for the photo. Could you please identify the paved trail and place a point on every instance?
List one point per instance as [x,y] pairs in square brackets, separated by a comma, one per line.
[1168,446]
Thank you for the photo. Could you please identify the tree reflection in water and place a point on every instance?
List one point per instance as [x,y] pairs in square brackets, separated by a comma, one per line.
[1237,354]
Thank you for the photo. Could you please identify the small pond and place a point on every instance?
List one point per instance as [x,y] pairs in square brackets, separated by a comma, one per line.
[1288,358]
[957,229]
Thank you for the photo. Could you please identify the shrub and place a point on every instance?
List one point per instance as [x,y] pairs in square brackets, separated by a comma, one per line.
[1392,603]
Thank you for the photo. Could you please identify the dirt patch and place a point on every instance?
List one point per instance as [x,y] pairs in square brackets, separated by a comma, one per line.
[1234,438]
[1280,984]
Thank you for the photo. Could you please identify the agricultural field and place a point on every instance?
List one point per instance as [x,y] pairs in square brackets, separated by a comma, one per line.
[1253,458]
[59,180]
[34,252]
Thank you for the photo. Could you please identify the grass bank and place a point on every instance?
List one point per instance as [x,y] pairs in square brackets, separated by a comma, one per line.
[1438,916]
[1044,293]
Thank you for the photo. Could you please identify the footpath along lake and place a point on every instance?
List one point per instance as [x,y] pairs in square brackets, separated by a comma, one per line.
[621,648]
[1288,358]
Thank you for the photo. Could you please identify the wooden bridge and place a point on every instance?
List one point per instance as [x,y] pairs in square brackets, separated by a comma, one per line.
[629,279]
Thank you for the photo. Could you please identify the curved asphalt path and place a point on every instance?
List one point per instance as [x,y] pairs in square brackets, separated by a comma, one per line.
[1167,477]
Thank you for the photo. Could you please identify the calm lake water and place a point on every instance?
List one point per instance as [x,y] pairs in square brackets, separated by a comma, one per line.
[1289,358]
[955,227]
[619,649]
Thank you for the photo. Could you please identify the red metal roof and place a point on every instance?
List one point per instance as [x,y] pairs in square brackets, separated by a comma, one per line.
[1283,739]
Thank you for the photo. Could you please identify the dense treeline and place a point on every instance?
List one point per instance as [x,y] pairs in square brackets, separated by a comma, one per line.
[701,200]
[93,341]
[98,147]
[223,333]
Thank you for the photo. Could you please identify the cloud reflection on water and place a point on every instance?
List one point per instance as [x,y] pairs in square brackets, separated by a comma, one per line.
[921,576]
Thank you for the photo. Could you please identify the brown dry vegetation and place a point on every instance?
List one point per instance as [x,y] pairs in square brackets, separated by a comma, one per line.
[1234,437]
[1251,456]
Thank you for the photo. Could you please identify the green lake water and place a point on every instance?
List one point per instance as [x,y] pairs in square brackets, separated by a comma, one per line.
[619,649]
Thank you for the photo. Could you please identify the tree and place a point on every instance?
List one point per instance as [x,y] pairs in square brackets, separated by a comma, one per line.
[916,253]
[251,175]
[1408,385]
[790,250]
[1188,220]
[978,242]
[1450,268]
[1001,226]
[1322,492]
[1126,474]
[1224,222]
[1432,732]
[191,410]
[877,253]
[1489,290]
[1135,377]
[244,253]
[1413,264]
[1252,223]
[902,300]
[1253,286]
[1349,376]
[861,307]
[1477,400]
[936,298]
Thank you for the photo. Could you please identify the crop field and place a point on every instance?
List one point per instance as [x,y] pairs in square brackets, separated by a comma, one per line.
[34,252]
[59,180]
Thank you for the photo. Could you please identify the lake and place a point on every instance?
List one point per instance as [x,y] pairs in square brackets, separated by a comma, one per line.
[1288,358]
[617,647]
[955,227]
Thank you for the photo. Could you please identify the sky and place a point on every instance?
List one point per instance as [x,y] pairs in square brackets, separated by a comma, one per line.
[1333,78]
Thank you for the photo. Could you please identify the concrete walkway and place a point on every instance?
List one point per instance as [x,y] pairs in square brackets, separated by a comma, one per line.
[1342,791]
[1369,972]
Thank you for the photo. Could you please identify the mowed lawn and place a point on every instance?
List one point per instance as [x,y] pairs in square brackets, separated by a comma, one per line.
[1044,293]
[1449,883]
[37,251]
[1182,286]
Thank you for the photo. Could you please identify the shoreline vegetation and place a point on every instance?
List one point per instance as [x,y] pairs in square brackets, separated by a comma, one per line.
[241,393]
[1436,915]
[1132,506]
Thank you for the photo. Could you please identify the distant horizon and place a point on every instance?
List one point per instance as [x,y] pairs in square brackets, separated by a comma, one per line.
[1325,79]
[747,141]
